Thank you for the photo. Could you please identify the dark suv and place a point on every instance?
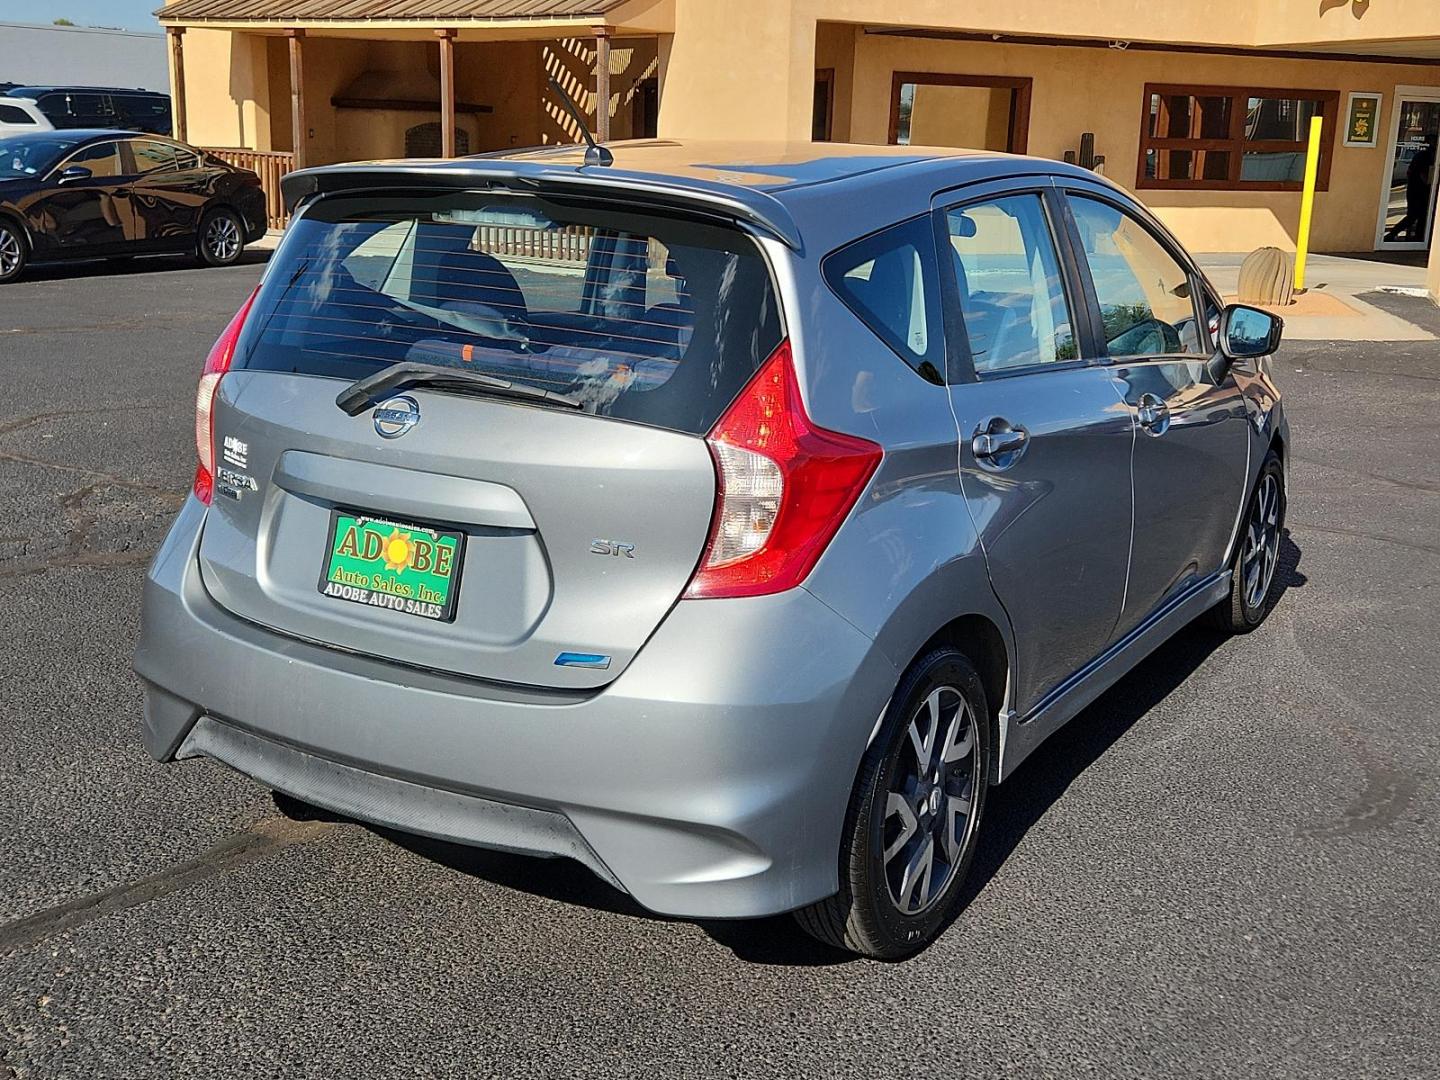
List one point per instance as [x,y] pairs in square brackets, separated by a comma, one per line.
[100,107]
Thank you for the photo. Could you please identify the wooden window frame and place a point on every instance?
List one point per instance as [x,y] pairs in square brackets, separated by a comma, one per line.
[1235,142]
[826,77]
[1019,132]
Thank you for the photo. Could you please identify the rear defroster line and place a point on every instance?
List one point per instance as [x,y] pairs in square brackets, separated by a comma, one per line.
[262,839]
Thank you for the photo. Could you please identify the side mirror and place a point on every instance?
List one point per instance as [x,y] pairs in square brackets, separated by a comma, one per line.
[71,173]
[1245,333]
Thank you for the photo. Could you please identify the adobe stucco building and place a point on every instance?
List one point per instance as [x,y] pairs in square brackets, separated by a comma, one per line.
[1201,107]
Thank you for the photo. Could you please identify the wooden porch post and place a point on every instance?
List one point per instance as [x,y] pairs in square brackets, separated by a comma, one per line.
[177,75]
[447,92]
[297,95]
[602,83]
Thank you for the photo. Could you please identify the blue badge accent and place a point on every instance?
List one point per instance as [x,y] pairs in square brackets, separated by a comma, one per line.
[582,659]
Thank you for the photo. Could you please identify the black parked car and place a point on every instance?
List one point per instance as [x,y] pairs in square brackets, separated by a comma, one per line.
[79,107]
[113,194]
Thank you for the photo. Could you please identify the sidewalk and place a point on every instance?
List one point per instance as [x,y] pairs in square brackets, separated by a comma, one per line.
[1331,309]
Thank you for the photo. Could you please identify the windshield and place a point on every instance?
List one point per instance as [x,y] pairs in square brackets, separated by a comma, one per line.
[31,155]
[641,317]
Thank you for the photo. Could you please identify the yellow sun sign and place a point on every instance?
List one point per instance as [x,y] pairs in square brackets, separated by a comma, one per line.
[396,551]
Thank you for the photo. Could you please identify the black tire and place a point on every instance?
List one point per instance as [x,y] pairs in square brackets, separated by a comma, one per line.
[14,251]
[1243,610]
[865,916]
[221,239]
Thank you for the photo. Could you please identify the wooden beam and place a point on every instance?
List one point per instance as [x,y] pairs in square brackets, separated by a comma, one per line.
[447,92]
[408,105]
[602,83]
[176,34]
[299,131]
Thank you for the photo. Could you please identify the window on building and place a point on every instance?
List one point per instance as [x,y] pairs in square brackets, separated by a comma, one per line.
[983,112]
[1232,137]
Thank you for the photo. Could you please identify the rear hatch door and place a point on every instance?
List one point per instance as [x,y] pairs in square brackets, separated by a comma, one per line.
[513,541]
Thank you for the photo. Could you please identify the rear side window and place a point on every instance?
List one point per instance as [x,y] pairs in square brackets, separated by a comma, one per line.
[11,114]
[56,107]
[645,318]
[151,156]
[889,281]
[1008,278]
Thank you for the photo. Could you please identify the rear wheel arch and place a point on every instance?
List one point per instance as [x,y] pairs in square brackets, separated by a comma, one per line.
[983,642]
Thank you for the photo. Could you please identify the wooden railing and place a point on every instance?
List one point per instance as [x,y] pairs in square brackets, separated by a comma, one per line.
[270,167]
[568,244]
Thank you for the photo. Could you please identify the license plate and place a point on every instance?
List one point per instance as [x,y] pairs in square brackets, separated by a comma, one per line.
[396,565]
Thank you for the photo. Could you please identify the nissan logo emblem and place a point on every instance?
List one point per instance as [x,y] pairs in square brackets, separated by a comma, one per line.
[396,416]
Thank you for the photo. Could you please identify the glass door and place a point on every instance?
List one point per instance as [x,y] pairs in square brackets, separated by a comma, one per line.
[1407,195]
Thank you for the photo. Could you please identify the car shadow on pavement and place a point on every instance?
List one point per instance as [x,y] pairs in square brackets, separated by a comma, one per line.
[1013,808]
[121,267]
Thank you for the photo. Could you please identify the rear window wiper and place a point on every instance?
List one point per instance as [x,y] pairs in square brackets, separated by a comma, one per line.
[355,398]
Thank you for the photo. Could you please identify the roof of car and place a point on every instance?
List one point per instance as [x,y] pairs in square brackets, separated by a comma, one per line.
[769,184]
[80,135]
[31,91]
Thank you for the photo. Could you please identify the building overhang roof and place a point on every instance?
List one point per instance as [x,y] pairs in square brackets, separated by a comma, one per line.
[376,14]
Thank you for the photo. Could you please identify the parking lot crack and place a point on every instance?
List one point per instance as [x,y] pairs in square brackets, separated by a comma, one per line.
[261,840]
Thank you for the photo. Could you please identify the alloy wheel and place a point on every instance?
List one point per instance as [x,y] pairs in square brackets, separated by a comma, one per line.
[222,238]
[929,805]
[10,251]
[1262,542]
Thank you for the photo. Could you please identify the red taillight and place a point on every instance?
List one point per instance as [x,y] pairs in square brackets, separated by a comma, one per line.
[783,487]
[216,365]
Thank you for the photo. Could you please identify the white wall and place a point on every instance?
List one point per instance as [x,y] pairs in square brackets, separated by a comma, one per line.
[79,56]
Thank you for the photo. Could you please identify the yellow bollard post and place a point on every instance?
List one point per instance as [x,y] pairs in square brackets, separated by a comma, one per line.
[1307,201]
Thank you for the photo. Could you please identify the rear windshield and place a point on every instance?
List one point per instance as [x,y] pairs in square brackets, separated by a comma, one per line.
[645,318]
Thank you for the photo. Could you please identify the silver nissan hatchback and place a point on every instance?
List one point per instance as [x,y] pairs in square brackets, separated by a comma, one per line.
[728,518]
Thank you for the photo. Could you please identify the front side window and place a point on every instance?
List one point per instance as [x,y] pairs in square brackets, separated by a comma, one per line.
[1146,297]
[1012,295]
[1236,138]
[102,159]
[889,281]
[651,319]
[32,155]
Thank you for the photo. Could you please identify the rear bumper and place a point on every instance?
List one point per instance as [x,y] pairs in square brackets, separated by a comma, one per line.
[252,209]
[709,780]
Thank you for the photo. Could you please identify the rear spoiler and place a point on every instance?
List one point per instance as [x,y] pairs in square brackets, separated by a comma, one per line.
[633,190]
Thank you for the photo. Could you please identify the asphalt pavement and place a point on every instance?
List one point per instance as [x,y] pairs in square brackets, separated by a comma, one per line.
[1227,867]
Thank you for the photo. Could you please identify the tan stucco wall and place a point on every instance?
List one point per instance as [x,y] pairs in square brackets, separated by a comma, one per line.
[226,91]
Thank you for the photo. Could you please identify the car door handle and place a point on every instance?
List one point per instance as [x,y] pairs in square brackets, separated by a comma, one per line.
[998,444]
[1153,414]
